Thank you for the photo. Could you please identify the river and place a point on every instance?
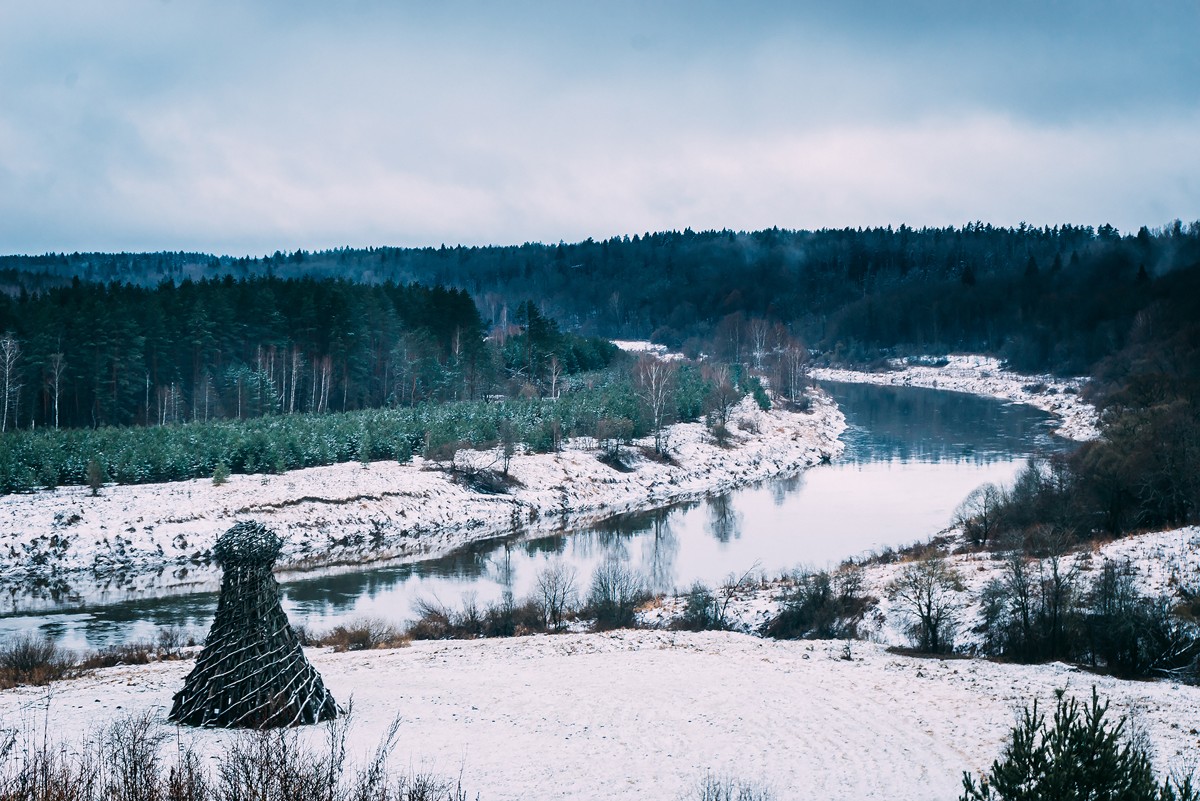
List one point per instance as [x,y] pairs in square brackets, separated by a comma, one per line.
[911,456]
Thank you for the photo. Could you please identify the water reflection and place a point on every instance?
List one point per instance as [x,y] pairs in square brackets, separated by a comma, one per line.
[724,520]
[909,424]
[911,456]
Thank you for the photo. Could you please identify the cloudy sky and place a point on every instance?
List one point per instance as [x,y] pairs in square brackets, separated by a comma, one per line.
[240,128]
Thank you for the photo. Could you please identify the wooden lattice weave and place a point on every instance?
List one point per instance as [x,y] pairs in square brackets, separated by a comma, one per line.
[252,673]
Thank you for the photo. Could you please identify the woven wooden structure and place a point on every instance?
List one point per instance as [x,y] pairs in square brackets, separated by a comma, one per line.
[252,673]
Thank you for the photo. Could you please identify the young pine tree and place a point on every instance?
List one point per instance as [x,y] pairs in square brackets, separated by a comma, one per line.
[1080,757]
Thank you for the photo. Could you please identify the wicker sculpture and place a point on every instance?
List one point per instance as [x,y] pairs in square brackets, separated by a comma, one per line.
[252,673]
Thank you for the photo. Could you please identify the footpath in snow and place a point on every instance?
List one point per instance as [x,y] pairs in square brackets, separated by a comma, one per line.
[645,714]
[157,536]
[984,375]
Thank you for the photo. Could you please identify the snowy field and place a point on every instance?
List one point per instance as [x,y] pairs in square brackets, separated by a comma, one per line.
[983,375]
[157,536]
[644,714]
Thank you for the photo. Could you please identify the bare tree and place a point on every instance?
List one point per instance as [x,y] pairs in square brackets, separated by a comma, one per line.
[615,594]
[655,379]
[556,591]
[297,366]
[979,513]
[924,593]
[760,331]
[58,368]
[723,395]
[10,354]
[555,372]
[794,364]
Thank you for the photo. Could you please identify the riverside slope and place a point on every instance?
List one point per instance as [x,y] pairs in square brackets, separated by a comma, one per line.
[158,536]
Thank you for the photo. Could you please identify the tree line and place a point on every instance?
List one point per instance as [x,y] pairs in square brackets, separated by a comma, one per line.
[119,354]
[1051,298]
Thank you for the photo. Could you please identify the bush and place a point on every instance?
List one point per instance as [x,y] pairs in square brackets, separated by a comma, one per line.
[728,788]
[362,635]
[701,612]
[821,605]
[1031,613]
[28,659]
[924,594]
[555,593]
[436,621]
[1038,610]
[95,476]
[1080,757]
[615,595]
[220,473]
[1134,636]
[760,394]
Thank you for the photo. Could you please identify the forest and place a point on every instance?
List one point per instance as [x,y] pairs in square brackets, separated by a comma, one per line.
[89,341]
[1057,299]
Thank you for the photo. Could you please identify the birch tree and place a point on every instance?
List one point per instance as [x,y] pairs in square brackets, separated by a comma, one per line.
[10,354]
[58,368]
[655,379]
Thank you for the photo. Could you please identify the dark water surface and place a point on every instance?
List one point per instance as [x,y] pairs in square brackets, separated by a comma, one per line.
[911,456]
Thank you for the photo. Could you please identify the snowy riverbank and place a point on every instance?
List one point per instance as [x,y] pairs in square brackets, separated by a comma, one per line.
[984,375]
[644,714]
[157,536]
[1161,563]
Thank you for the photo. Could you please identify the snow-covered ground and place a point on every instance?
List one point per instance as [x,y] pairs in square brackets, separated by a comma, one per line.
[646,346]
[644,714]
[157,536]
[984,375]
[1162,562]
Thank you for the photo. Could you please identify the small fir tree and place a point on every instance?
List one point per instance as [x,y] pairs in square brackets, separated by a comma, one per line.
[95,476]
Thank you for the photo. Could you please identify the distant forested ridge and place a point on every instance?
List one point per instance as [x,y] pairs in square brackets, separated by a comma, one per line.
[1058,298]
[87,355]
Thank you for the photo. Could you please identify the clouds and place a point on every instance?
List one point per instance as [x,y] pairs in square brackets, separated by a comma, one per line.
[213,127]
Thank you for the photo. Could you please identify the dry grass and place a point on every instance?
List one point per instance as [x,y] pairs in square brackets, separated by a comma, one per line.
[128,761]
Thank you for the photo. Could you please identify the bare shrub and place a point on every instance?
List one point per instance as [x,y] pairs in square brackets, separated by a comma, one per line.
[701,612]
[615,594]
[126,761]
[611,432]
[556,591]
[821,605]
[979,514]
[29,659]
[713,787]
[925,595]
[364,635]
[436,621]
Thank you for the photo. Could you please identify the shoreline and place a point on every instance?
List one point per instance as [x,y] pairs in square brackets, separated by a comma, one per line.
[134,539]
[985,375]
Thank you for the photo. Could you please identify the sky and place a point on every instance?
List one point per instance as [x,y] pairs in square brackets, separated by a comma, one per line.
[244,128]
